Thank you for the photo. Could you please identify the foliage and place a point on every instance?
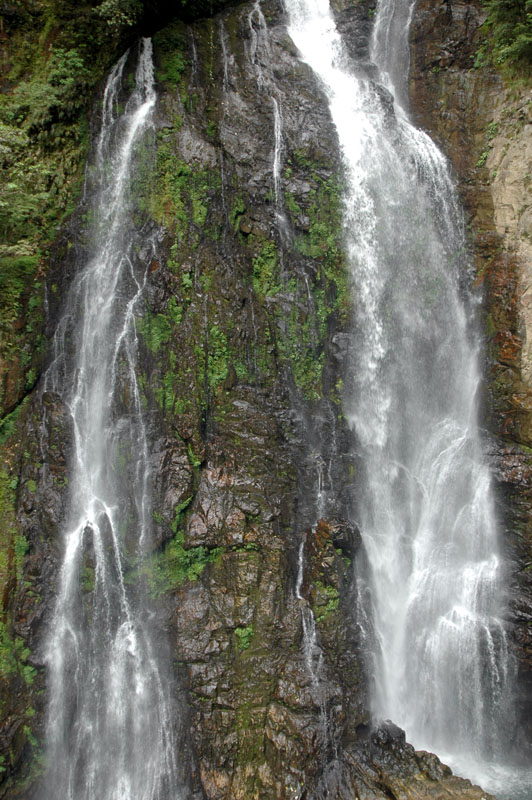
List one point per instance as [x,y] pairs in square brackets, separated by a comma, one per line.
[169,44]
[169,568]
[266,271]
[15,272]
[326,601]
[8,529]
[193,459]
[14,657]
[87,578]
[237,211]
[244,637]
[313,302]
[54,58]
[120,14]
[180,191]
[156,329]
[217,359]
[509,34]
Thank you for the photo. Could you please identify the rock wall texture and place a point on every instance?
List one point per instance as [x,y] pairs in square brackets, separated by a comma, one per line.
[483,124]
[242,340]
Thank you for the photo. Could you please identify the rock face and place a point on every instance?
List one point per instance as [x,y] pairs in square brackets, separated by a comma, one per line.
[242,340]
[484,127]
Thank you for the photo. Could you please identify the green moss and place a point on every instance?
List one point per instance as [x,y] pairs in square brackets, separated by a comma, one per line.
[301,341]
[325,213]
[14,274]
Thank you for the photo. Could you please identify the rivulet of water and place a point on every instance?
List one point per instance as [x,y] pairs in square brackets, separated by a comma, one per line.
[440,662]
[110,720]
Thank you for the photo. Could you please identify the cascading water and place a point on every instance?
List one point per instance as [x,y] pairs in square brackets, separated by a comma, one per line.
[440,662]
[110,721]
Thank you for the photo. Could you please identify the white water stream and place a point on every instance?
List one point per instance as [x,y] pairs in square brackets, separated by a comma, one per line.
[110,721]
[440,661]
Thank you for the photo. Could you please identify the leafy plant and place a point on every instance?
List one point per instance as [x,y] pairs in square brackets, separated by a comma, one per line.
[14,656]
[217,360]
[265,271]
[509,33]
[168,569]
[244,637]
[169,44]
[119,14]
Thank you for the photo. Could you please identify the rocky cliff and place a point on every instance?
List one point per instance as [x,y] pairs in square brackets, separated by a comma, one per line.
[242,343]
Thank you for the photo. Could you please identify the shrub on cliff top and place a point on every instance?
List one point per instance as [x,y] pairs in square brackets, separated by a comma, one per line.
[509,25]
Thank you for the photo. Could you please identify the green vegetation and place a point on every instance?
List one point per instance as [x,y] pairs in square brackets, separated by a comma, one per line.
[237,212]
[326,601]
[119,14]
[13,545]
[266,281]
[156,329]
[180,191]
[8,423]
[168,569]
[217,358]
[54,56]
[14,657]
[508,30]
[244,637]
[87,579]
[491,133]
[212,129]
[169,45]
[193,459]
[312,303]
[13,548]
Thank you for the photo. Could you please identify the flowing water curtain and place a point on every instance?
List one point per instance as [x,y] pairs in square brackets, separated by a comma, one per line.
[110,720]
[440,656]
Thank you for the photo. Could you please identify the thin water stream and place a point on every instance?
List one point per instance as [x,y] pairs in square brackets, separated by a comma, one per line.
[110,720]
[440,661]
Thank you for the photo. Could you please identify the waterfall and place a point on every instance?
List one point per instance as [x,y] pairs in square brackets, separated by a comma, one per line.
[110,721]
[311,649]
[440,667]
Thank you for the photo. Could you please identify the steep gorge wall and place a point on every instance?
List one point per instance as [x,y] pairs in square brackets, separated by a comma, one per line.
[242,342]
